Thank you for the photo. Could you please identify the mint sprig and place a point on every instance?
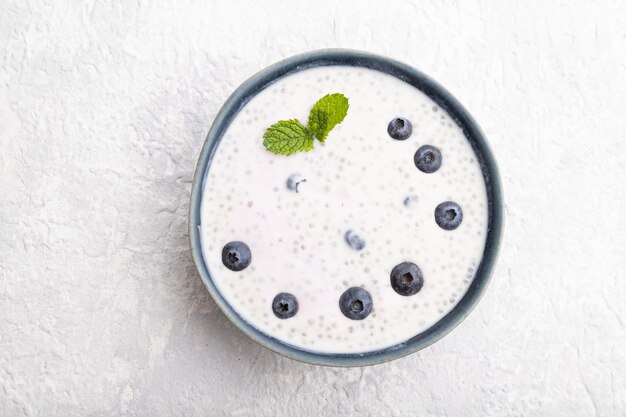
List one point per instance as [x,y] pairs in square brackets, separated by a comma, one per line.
[286,137]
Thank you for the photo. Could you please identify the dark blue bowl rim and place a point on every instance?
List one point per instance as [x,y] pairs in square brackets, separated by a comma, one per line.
[443,99]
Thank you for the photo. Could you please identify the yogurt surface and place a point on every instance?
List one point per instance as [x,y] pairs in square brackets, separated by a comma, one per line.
[360,179]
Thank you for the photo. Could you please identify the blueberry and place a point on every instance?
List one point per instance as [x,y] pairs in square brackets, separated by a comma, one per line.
[406,279]
[285,305]
[400,128]
[294,181]
[448,215]
[354,240]
[355,303]
[427,159]
[236,256]
[410,200]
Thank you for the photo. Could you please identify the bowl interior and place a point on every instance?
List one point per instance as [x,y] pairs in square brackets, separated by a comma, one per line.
[443,99]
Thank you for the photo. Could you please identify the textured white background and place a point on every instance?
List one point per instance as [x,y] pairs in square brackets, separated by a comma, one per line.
[104,106]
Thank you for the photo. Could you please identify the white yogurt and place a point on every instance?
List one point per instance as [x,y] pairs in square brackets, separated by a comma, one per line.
[358,179]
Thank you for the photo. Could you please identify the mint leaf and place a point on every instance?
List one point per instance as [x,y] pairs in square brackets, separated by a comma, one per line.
[327,113]
[289,136]
[286,137]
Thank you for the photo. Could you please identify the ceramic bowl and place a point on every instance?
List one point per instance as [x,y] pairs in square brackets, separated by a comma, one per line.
[443,99]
